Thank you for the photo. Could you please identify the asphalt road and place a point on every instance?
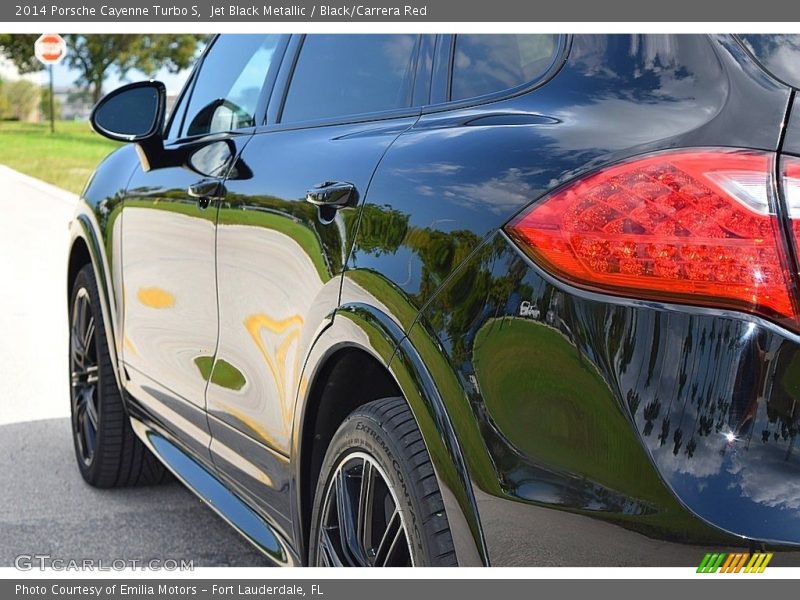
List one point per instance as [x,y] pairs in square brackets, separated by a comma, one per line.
[45,507]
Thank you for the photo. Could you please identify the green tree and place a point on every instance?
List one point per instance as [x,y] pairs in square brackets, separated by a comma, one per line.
[19,49]
[95,56]
[3,102]
[44,105]
[22,97]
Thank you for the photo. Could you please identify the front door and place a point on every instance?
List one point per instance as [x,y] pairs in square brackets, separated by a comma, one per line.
[169,230]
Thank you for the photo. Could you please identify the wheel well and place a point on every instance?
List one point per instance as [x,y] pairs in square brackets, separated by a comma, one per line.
[78,257]
[349,378]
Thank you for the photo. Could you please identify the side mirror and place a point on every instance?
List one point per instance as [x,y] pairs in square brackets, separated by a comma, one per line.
[134,113]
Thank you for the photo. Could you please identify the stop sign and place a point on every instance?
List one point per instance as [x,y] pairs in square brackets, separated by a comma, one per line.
[50,48]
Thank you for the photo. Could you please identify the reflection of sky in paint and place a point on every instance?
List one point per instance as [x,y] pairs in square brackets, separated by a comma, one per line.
[746,474]
[743,494]
[739,485]
[765,477]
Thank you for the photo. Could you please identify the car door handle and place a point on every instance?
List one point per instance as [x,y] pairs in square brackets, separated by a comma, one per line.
[205,191]
[335,194]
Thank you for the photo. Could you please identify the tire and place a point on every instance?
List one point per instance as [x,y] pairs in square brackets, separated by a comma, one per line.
[382,440]
[107,450]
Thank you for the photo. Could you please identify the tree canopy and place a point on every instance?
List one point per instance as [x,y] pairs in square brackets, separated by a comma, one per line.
[96,56]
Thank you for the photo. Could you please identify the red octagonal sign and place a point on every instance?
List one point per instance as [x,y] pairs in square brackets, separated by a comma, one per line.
[50,48]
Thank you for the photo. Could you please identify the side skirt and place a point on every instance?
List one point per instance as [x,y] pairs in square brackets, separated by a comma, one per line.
[211,490]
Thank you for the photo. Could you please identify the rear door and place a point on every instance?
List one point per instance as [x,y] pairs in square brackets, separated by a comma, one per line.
[282,244]
[169,230]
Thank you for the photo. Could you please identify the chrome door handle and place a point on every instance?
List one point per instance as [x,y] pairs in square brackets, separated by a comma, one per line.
[205,191]
[335,194]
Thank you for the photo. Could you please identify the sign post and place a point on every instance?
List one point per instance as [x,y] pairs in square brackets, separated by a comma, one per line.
[50,49]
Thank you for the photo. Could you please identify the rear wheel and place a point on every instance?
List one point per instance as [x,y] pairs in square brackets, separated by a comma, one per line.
[377,502]
[108,452]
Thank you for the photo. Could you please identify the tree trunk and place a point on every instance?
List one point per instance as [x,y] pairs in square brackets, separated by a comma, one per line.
[97,90]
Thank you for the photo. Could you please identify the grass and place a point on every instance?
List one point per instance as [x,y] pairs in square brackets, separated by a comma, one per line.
[65,158]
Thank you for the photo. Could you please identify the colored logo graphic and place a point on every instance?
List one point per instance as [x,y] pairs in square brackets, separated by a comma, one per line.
[734,563]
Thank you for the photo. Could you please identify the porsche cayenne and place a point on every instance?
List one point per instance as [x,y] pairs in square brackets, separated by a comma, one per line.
[453,299]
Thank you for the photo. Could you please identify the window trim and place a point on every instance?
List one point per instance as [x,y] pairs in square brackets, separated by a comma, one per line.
[186,93]
[564,44]
[267,88]
[284,80]
[423,75]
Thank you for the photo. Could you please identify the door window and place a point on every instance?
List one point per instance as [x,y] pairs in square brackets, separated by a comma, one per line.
[228,86]
[338,75]
[484,64]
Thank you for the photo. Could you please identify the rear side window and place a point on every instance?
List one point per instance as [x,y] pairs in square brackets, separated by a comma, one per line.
[339,75]
[484,64]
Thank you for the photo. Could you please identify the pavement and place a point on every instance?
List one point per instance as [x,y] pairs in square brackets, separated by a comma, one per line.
[45,507]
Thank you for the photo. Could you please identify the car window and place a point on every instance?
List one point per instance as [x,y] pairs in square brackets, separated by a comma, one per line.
[229,83]
[339,75]
[484,64]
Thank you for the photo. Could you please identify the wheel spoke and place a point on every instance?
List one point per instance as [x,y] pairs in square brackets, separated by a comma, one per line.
[80,400]
[87,434]
[80,319]
[362,523]
[327,549]
[79,341]
[394,529]
[347,520]
[365,507]
[78,353]
[91,410]
[88,334]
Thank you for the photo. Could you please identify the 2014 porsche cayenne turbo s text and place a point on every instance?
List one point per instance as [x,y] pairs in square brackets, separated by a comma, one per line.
[453,299]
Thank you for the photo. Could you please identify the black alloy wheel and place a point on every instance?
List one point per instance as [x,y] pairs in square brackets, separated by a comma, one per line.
[84,377]
[362,523]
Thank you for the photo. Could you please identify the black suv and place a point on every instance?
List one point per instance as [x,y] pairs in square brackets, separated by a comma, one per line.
[453,299]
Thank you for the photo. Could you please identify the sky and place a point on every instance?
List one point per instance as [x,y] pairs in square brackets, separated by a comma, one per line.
[64,76]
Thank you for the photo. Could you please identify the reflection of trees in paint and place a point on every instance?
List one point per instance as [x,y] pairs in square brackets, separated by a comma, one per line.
[221,373]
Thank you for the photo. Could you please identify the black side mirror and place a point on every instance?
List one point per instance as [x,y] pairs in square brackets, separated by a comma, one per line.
[134,113]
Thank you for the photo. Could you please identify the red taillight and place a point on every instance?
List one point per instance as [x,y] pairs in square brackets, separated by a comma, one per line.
[696,227]
[791,193]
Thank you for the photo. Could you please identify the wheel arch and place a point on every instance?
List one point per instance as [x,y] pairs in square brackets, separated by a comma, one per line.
[84,249]
[79,257]
[361,344]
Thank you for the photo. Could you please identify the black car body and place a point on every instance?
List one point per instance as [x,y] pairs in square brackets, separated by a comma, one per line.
[577,411]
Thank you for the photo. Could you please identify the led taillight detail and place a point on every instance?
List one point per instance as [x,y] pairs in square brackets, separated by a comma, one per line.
[791,193]
[695,227]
